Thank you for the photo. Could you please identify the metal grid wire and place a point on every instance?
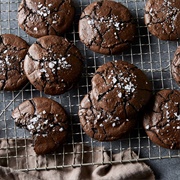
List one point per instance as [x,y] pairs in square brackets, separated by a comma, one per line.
[147,52]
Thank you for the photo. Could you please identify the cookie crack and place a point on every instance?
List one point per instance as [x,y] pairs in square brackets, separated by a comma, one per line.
[2,41]
[115,109]
[137,110]
[33,104]
[100,96]
[102,76]
[104,130]
[63,1]
[3,82]
[38,43]
[31,57]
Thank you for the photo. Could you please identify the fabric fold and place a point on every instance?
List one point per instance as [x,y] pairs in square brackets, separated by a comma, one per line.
[18,154]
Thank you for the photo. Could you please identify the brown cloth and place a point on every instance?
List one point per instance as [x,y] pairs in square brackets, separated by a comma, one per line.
[19,154]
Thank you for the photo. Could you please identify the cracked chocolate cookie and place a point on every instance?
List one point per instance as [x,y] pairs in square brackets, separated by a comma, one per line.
[162,119]
[45,17]
[46,120]
[106,27]
[53,65]
[119,92]
[13,50]
[175,67]
[121,86]
[100,124]
[162,18]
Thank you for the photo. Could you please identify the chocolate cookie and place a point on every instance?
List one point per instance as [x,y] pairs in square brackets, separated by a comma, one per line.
[162,119]
[13,50]
[40,18]
[53,65]
[175,67]
[106,27]
[46,120]
[162,18]
[119,91]
[121,86]
[100,124]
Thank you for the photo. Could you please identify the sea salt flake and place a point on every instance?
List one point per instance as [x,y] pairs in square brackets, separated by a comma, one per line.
[147,127]
[30,126]
[116,24]
[44,112]
[35,29]
[54,22]
[120,95]
[61,129]
[5,51]
[38,127]
[46,75]
[101,125]
[51,64]
[117,118]
[114,80]
[177,116]
[46,122]
[98,116]
[42,70]
[63,58]
[7,58]
[113,124]
[34,120]
[44,135]
[39,5]
[90,22]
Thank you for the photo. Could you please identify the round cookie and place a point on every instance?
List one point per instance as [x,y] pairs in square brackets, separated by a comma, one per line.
[119,91]
[46,120]
[106,27]
[100,124]
[175,66]
[40,18]
[13,50]
[121,86]
[162,18]
[162,119]
[53,65]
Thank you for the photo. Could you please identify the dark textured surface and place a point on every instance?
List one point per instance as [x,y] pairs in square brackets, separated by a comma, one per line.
[13,50]
[119,91]
[176,66]
[46,120]
[39,18]
[147,52]
[106,27]
[53,65]
[162,119]
[162,18]
[165,169]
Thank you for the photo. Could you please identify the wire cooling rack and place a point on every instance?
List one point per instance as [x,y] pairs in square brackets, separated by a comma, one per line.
[147,52]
